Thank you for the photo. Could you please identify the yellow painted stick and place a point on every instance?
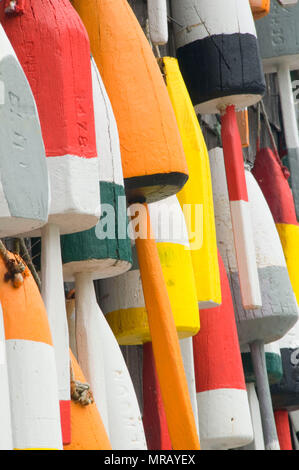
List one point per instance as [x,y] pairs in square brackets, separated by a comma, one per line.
[169,363]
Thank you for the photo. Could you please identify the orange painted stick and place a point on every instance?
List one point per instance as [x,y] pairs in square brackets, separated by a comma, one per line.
[168,359]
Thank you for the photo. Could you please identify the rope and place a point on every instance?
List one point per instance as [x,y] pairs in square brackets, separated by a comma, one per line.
[15,268]
[80,392]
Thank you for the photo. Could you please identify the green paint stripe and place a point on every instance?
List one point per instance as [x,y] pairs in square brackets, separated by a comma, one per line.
[274,367]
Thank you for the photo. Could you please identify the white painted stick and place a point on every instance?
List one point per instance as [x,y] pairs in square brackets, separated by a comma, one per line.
[186,346]
[258,441]
[98,350]
[5,421]
[288,107]
[267,415]
[89,346]
[71,318]
[158,25]
[54,299]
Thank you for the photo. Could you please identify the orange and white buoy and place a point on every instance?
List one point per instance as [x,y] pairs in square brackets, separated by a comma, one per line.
[222,401]
[88,431]
[154,168]
[33,388]
[62,87]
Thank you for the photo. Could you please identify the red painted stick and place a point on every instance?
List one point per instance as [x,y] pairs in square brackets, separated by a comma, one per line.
[283,429]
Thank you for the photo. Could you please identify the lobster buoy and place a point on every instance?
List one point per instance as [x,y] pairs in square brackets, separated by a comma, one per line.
[279,311]
[213,42]
[197,193]
[88,432]
[260,8]
[33,389]
[24,176]
[277,34]
[220,385]
[61,84]
[154,167]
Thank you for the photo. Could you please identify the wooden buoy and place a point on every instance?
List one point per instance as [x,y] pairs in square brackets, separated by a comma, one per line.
[122,298]
[33,389]
[260,8]
[61,84]
[213,43]
[24,177]
[222,400]
[272,178]
[154,167]
[88,432]
[277,34]
[96,254]
[279,311]
[196,198]
[159,169]
[6,442]
[158,22]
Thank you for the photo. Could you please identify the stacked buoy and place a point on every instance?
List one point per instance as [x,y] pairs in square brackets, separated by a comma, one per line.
[279,311]
[98,254]
[61,84]
[277,34]
[154,167]
[222,400]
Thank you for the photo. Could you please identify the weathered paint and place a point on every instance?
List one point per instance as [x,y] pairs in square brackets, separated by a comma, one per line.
[260,8]
[105,369]
[154,418]
[153,159]
[218,53]
[197,190]
[224,416]
[88,432]
[158,22]
[23,170]
[61,85]
[279,311]
[6,442]
[31,366]
[283,430]
[122,298]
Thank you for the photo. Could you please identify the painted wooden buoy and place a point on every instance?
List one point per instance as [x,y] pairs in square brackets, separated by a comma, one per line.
[277,34]
[61,84]
[260,8]
[88,431]
[89,255]
[196,198]
[222,400]
[216,49]
[158,22]
[33,389]
[258,438]
[279,311]
[154,167]
[283,430]
[24,178]
[122,298]
[154,418]
[272,179]
[273,363]
[6,442]
[160,169]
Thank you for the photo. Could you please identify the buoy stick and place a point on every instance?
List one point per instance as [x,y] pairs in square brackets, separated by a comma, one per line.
[186,346]
[154,418]
[258,441]
[240,212]
[54,300]
[158,23]
[168,359]
[264,396]
[283,429]
[89,346]
[290,128]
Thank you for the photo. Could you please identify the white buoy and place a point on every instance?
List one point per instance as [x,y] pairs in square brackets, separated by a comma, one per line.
[158,24]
